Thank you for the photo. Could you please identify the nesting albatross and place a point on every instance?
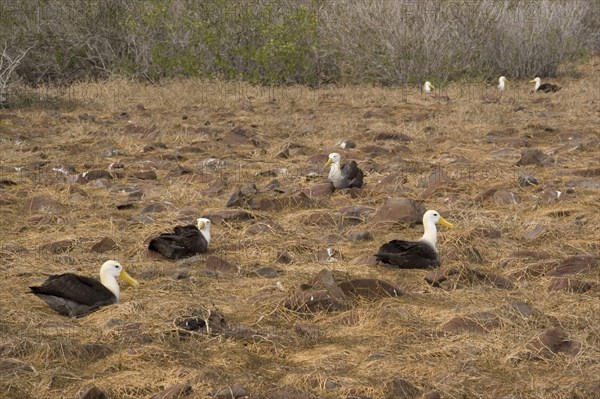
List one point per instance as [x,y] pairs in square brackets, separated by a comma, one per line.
[347,175]
[419,254]
[502,83]
[428,87]
[545,87]
[75,296]
[184,241]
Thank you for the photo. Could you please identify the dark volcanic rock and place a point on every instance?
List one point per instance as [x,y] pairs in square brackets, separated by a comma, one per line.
[43,205]
[174,392]
[228,215]
[154,208]
[216,266]
[145,175]
[58,247]
[268,272]
[230,392]
[360,235]
[308,330]
[503,197]
[570,285]
[369,288]
[320,190]
[96,174]
[575,264]
[552,341]
[479,323]
[393,136]
[313,301]
[400,388]
[284,257]
[534,156]
[92,392]
[399,210]
[104,245]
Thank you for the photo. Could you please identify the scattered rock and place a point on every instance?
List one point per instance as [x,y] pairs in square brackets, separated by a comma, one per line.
[437,276]
[191,261]
[268,272]
[534,156]
[154,208]
[174,392]
[58,247]
[313,301]
[230,392]
[534,233]
[527,180]
[328,255]
[360,235]
[284,257]
[92,392]
[432,395]
[104,245]
[320,218]
[383,136]
[478,323]
[319,190]
[308,330]
[228,215]
[181,274]
[369,288]
[10,368]
[43,205]
[400,388]
[399,210]
[575,264]
[219,267]
[503,197]
[552,341]
[145,175]
[570,285]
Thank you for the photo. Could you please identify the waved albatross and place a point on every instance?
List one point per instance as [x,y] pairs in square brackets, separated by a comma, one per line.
[415,254]
[428,87]
[75,296]
[184,241]
[347,175]
[545,87]
[502,81]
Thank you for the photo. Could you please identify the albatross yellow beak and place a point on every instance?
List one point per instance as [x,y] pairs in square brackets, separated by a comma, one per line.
[201,225]
[445,223]
[532,81]
[128,279]
[432,86]
[329,161]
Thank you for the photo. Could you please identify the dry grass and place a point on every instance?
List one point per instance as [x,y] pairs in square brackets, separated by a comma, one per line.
[132,349]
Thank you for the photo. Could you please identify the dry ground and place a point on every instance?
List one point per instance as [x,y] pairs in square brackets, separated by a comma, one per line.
[371,348]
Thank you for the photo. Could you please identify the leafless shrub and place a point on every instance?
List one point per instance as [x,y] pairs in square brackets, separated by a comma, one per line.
[8,63]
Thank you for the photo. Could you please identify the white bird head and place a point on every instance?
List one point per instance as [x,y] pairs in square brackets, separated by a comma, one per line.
[537,82]
[334,158]
[114,269]
[435,217]
[203,225]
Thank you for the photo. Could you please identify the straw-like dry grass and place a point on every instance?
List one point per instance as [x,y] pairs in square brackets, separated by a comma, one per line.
[133,349]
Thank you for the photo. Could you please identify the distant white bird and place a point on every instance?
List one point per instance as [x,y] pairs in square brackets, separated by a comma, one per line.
[428,87]
[502,83]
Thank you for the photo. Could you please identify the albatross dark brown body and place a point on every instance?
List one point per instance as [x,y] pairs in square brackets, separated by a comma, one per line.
[185,241]
[408,254]
[73,295]
[548,88]
[352,175]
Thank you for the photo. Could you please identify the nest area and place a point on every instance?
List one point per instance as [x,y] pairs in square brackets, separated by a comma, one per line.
[462,336]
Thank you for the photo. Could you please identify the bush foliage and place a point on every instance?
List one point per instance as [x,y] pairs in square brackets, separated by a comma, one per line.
[298,41]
